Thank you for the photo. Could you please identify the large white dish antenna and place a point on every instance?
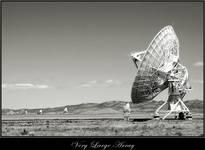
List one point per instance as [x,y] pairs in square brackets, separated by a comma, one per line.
[155,64]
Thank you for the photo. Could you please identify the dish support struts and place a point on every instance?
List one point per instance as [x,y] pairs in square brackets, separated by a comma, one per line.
[158,68]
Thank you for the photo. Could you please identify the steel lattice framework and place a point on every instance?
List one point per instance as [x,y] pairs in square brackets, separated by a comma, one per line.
[158,66]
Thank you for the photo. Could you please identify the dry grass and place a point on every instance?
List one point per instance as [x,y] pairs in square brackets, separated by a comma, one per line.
[102,128]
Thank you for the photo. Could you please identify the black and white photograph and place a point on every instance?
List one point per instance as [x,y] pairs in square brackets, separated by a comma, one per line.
[102,69]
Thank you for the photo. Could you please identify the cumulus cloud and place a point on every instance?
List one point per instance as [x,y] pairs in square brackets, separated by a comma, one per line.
[24,86]
[85,85]
[88,84]
[199,64]
[95,83]
[111,82]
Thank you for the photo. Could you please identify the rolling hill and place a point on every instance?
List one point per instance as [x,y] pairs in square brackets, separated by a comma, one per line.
[109,107]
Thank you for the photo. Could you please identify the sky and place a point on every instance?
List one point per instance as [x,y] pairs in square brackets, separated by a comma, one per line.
[56,54]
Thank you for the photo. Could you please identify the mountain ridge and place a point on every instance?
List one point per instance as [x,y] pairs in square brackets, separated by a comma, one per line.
[107,107]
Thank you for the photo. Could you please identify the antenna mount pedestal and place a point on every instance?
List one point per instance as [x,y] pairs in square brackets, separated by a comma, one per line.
[175,104]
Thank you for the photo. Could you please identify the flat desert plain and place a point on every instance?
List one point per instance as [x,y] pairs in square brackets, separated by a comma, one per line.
[104,119]
[100,126]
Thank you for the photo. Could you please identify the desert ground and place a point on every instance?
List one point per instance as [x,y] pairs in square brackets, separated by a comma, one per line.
[99,125]
[100,119]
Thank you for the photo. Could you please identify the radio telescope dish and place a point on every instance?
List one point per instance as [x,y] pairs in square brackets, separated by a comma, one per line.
[158,66]
[160,57]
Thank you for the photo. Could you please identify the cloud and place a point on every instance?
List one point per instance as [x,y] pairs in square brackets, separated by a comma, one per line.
[198,64]
[85,85]
[198,81]
[95,83]
[88,84]
[24,86]
[111,82]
